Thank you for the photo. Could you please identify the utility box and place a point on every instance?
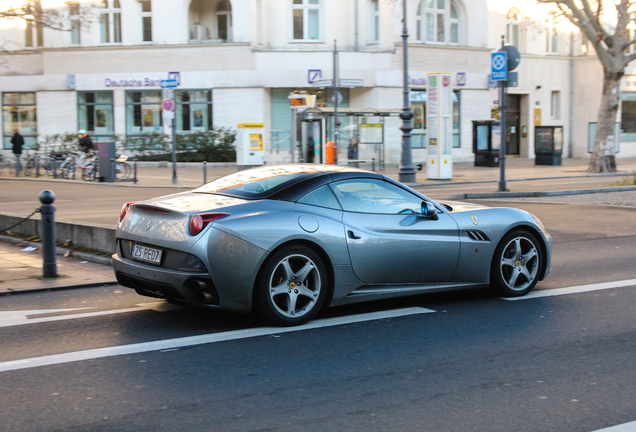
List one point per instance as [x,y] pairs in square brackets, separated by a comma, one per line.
[486,142]
[249,145]
[107,168]
[439,126]
[548,145]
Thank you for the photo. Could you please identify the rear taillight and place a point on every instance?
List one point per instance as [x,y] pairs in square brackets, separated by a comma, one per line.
[200,221]
[124,210]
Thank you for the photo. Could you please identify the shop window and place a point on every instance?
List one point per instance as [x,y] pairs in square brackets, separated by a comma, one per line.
[418,108]
[194,110]
[19,114]
[95,114]
[110,21]
[146,20]
[628,115]
[143,112]
[306,20]
[438,22]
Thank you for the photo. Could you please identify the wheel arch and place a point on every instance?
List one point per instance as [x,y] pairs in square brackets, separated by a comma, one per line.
[317,249]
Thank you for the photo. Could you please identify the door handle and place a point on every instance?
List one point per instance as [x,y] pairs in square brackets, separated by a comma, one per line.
[353,235]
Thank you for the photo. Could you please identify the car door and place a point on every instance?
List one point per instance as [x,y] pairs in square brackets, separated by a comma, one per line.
[388,238]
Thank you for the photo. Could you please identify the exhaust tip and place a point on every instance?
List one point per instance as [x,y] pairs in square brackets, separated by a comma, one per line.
[204,297]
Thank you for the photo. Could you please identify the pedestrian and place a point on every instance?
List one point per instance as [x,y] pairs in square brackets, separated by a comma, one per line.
[18,141]
[85,141]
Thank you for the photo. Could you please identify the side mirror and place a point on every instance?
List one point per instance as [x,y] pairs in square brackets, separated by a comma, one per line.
[429,211]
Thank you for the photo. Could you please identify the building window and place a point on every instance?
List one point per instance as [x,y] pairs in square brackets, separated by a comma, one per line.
[19,113]
[194,110]
[143,112]
[146,20]
[418,108]
[512,28]
[210,21]
[95,114]
[375,21]
[555,105]
[110,21]
[440,23]
[628,114]
[306,20]
[74,23]
[33,35]
[552,40]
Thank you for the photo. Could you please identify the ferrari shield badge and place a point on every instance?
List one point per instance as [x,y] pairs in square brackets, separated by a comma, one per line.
[474,219]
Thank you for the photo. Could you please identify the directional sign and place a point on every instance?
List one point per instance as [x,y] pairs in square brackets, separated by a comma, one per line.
[499,66]
[351,83]
[169,83]
[167,104]
[323,83]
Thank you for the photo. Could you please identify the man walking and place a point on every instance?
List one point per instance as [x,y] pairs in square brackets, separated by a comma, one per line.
[18,141]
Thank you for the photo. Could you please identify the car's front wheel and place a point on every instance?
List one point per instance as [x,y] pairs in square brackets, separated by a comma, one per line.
[516,265]
[292,286]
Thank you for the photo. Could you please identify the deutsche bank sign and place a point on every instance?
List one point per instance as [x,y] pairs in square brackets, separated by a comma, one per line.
[499,66]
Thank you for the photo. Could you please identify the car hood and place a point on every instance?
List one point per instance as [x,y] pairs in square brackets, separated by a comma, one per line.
[192,202]
[459,206]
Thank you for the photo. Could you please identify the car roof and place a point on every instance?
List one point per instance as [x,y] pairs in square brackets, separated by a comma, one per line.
[281,182]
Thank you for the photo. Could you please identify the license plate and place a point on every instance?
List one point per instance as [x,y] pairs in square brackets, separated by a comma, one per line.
[144,253]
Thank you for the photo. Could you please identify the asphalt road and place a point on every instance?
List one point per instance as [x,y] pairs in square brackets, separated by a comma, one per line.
[100,203]
[463,361]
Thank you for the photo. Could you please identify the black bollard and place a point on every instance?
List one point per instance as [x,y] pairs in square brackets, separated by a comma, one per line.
[49,267]
[135,172]
[205,172]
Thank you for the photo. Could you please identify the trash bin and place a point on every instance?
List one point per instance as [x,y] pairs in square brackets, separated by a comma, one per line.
[330,152]
[548,145]
[486,142]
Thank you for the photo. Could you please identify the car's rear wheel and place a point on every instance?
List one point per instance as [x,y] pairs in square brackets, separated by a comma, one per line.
[516,265]
[292,286]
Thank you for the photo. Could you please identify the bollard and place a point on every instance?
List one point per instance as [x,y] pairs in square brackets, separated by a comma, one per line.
[73,169]
[205,172]
[373,164]
[17,166]
[49,267]
[135,172]
[37,166]
[54,165]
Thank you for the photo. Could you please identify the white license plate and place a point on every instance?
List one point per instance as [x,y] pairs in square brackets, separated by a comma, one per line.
[144,253]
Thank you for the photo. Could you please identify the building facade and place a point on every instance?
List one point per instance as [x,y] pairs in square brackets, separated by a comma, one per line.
[237,61]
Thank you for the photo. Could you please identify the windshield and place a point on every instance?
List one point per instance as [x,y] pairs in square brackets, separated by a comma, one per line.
[262,182]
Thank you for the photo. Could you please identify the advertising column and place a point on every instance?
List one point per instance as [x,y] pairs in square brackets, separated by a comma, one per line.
[439,126]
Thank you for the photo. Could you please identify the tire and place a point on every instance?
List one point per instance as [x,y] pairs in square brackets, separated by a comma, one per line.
[291,287]
[88,173]
[29,168]
[516,265]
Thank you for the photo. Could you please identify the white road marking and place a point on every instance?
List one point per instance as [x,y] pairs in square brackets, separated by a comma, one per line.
[15,318]
[627,427]
[574,289]
[169,344]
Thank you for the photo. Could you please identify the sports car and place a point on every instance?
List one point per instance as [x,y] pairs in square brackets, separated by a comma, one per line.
[285,241]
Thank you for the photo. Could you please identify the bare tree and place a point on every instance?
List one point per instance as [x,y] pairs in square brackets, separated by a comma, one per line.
[604,23]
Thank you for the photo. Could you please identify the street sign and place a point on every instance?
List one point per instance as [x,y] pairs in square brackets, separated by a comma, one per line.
[513,79]
[167,115]
[351,83]
[323,83]
[333,98]
[169,83]
[167,93]
[513,56]
[499,66]
[167,104]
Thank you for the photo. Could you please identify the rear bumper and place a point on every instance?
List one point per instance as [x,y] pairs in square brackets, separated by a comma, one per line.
[173,285]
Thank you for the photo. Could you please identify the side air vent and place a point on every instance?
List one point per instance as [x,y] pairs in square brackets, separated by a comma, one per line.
[476,235]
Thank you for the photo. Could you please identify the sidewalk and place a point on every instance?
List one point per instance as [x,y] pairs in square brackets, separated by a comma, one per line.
[21,267]
[21,271]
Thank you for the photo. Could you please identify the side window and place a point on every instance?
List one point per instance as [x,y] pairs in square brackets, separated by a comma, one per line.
[375,196]
[321,197]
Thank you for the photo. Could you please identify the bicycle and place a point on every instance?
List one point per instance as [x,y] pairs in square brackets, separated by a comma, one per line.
[73,161]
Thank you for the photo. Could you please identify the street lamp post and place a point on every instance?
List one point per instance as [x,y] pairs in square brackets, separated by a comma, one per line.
[407,172]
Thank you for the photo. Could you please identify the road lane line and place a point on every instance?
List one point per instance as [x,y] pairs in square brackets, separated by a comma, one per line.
[627,427]
[15,318]
[201,339]
[574,290]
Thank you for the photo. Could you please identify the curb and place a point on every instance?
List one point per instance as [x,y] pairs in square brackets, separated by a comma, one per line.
[97,259]
[486,195]
[59,288]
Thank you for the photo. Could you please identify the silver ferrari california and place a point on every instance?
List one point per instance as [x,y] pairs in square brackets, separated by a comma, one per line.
[285,241]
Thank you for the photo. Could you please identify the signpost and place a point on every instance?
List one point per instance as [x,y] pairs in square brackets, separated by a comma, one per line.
[167,113]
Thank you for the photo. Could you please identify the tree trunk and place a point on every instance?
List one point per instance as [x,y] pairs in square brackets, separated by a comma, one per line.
[603,156]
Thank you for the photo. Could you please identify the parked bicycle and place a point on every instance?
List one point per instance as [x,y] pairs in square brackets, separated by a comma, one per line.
[73,161]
